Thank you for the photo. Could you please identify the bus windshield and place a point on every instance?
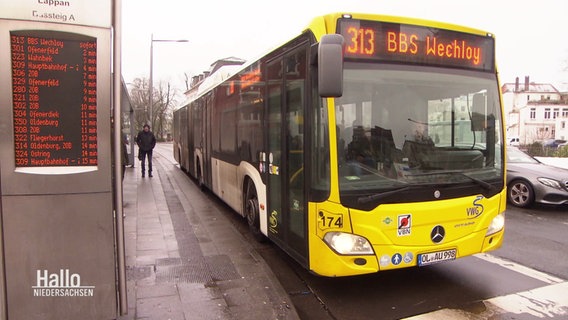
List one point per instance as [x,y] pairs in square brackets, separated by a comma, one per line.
[401,127]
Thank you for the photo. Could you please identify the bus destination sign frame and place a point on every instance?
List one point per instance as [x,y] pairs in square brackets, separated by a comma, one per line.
[405,43]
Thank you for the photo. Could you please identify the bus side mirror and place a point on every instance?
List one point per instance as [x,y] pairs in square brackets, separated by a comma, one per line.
[330,66]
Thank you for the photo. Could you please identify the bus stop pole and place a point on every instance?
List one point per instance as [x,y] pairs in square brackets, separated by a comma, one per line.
[119,216]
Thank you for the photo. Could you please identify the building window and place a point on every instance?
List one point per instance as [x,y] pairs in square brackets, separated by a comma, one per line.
[563,124]
[564,112]
[533,113]
[555,113]
[547,113]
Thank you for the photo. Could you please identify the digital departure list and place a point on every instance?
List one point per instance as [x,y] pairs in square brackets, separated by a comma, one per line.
[54,89]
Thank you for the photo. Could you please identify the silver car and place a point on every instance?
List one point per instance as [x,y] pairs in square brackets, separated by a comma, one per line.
[530,181]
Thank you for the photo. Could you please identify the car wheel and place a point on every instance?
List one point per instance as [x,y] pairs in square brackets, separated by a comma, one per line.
[520,193]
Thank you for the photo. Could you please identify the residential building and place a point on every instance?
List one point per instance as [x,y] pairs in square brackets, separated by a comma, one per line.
[219,71]
[535,111]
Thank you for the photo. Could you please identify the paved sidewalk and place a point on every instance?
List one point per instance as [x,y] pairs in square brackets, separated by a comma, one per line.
[186,261]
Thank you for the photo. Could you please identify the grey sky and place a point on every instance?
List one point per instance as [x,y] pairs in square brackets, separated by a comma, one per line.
[531,36]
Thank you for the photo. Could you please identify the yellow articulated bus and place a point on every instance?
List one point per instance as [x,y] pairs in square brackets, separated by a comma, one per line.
[366,143]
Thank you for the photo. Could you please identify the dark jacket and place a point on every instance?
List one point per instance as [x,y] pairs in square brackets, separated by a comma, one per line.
[146,141]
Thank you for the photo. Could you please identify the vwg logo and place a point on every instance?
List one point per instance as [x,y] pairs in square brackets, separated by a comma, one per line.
[476,210]
[62,284]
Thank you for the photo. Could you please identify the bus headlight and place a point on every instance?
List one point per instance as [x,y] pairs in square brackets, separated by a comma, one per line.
[347,243]
[496,225]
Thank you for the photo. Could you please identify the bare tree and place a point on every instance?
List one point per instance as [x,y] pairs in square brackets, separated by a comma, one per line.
[186,80]
[162,107]
[538,134]
[139,94]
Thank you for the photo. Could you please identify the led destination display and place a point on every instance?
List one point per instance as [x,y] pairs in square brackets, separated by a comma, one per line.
[392,42]
[54,91]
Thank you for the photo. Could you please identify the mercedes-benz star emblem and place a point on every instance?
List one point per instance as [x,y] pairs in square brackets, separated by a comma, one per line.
[437,234]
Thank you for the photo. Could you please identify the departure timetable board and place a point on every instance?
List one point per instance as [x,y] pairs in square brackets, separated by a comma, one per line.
[54,91]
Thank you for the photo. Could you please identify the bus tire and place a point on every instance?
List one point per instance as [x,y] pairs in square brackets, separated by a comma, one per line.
[252,213]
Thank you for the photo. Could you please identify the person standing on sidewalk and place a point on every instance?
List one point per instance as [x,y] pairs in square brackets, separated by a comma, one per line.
[146,142]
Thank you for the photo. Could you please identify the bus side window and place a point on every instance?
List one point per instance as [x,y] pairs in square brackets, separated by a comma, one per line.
[340,146]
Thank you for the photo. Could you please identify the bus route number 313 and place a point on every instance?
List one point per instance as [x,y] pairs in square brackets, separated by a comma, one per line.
[330,220]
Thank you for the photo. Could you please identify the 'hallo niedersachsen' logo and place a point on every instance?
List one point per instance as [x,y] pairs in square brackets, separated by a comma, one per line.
[62,284]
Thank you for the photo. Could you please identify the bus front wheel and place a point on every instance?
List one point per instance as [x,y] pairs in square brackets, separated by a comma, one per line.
[252,214]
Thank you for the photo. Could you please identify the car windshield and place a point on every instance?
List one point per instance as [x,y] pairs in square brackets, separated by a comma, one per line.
[515,155]
[400,126]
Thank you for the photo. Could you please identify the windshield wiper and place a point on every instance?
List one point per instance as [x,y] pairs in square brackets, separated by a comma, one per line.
[484,184]
[381,195]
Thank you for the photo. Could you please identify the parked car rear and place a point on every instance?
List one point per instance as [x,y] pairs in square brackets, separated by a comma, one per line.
[514,141]
[554,143]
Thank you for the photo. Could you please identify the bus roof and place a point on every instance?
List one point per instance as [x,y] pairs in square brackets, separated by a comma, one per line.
[319,26]
[327,23]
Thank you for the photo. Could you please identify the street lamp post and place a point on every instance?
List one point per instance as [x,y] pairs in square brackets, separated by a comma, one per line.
[151,89]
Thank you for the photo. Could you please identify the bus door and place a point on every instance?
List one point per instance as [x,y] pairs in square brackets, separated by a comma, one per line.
[183,139]
[206,132]
[285,173]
